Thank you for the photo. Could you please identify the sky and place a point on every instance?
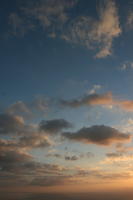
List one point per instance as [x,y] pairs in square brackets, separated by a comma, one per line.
[66,99]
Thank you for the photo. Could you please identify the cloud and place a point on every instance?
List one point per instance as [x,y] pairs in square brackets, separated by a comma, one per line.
[126,65]
[90,100]
[117,157]
[130,20]
[49,15]
[94,89]
[94,99]
[114,155]
[17,165]
[19,26]
[54,18]
[96,33]
[127,105]
[103,175]
[50,12]
[54,126]
[100,135]
[18,108]
[10,124]
[25,143]
[71,158]
[34,141]
[13,161]
[28,109]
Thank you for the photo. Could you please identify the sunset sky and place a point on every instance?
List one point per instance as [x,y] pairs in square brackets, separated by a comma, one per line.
[66,98]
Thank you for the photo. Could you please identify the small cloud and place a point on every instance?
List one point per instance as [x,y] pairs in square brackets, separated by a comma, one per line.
[126,65]
[71,158]
[54,126]
[94,89]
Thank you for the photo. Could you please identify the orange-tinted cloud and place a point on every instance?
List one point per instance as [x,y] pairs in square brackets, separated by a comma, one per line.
[90,100]
[106,99]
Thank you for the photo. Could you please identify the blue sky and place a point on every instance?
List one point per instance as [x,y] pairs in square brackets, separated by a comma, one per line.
[66,95]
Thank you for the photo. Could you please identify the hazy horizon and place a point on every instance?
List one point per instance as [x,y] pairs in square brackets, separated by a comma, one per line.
[66,100]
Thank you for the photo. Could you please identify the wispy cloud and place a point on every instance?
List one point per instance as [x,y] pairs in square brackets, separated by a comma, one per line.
[54,19]
[31,109]
[96,34]
[117,157]
[49,15]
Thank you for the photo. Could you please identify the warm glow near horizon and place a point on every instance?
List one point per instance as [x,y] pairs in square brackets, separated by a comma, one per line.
[66,100]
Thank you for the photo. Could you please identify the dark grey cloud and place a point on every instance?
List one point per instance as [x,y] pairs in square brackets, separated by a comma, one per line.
[10,124]
[13,161]
[54,126]
[114,155]
[19,167]
[14,125]
[100,135]
[71,158]
[14,157]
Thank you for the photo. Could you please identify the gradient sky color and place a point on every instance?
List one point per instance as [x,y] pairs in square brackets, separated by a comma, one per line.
[66,98]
